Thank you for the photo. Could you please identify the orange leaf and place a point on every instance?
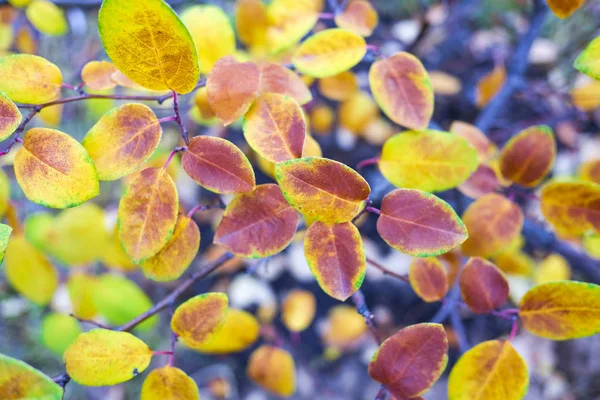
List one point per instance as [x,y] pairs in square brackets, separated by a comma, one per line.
[147,214]
[218,165]
[273,369]
[275,78]
[200,317]
[168,383]
[483,286]
[258,223]
[359,16]
[489,85]
[336,257]
[419,223]
[177,255]
[428,278]
[232,87]
[275,128]
[401,87]
[564,8]
[97,75]
[528,156]
[322,189]
[339,87]
[493,222]
[412,360]
[562,310]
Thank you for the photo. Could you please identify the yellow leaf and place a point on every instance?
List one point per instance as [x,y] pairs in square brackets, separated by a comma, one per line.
[103,357]
[273,369]
[59,331]
[427,160]
[357,112]
[51,116]
[169,383]
[19,3]
[298,310]
[196,320]
[344,326]
[212,34]
[289,21]
[54,170]
[26,78]
[591,244]
[329,52]
[11,117]
[587,96]
[553,268]
[47,18]
[119,300]
[359,16]
[489,85]
[29,272]
[4,192]
[97,75]
[339,87]
[251,23]
[114,256]
[492,370]
[239,331]
[19,381]
[562,310]
[147,41]
[81,288]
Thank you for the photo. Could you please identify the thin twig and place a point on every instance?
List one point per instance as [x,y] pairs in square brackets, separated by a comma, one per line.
[361,307]
[89,321]
[387,271]
[184,132]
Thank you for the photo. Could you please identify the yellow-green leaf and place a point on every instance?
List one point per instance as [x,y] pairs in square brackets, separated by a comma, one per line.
[19,381]
[54,170]
[47,18]
[329,52]
[147,41]
[428,160]
[588,61]
[196,320]
[29,272]
[122,140]
[26,78]
[5,232]
[212,33]
[562,310]
[239,331]
[59,331]
[4,192]
[103,357]
[169,383]
[289,21]
[10,117]
[492,370]
[81,288]
[119,300]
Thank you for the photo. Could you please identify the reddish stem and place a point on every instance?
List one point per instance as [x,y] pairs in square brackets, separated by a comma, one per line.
[515,326]
[373,210]
[167,119]
[175,151]
[367,162]
[184,132]
[327,16]
[163,352]
[387,271]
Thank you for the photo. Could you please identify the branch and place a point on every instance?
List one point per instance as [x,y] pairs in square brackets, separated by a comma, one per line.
[387,271]
[170,299]
[516,69]
[361,307]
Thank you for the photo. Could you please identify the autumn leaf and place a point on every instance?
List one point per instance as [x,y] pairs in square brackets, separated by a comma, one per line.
[257,224]
[419,223]
[5,232]
[428,278]
[298,310]
[169,383]
[81,287]
[212,33]
[359,16]
[590,171]
[344,326]
[493,222]
[200,318]
[427,160]
[289,21]
[323,189]
[27,78]
[21,381]
[147,214]
[232,87]
[484,146]
[492,370]
[148,43]
[339,87]
[528,156]
[336,257]
[564,8]
[47,18]
[275,78]
[562,310]
[239,331]
[401,86]
[275,127]
[489,85]
[54,170]
[103,357]
[122,140]
[251,24]
[412,360]
[218,165]
[572,207]
[97,75]
[273,369]
[483,181]
[329,52]
[483,286]
[10,117]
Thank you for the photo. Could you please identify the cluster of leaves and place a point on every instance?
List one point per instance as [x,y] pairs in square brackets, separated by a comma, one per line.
[152,48]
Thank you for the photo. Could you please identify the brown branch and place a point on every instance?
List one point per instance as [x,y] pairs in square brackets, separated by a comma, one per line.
[387,271]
